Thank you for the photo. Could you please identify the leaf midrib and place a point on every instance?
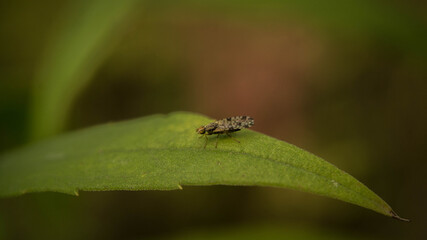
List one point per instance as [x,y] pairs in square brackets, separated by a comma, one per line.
[376,202]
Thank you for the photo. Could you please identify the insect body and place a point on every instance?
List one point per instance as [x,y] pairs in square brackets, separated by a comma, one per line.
[225,126]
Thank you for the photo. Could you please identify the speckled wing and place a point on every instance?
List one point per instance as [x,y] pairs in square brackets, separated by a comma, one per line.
[233,124]
[224,129]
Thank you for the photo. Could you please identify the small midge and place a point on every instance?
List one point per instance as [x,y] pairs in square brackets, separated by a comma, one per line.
[226,126]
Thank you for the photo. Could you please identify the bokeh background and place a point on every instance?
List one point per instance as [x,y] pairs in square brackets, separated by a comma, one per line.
[345,80]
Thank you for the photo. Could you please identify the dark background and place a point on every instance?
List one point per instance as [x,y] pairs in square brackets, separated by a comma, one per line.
[346,81]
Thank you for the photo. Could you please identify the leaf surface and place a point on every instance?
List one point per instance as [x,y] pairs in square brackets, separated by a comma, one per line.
[164,152]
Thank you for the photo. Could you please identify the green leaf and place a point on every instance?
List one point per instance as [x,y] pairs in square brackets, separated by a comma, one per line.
[86,31]
[164,152]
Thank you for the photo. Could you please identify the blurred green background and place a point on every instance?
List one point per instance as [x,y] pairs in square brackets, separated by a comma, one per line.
[345,80]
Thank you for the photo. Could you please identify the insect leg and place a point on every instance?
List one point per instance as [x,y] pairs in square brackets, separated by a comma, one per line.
[206,142]
[228,134]
[216,144]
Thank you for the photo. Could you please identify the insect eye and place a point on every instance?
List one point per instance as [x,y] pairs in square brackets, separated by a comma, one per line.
[200,130]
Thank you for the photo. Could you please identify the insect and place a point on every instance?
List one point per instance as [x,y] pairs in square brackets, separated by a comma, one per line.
[225,126]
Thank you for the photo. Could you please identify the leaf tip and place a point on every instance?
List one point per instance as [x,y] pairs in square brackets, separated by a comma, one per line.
[395,216]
